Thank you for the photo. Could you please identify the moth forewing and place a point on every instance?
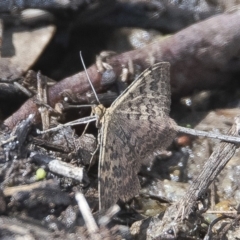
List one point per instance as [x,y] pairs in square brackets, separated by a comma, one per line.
[134,128]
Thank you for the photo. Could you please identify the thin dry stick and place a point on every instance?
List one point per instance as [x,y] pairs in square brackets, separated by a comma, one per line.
[224,229]
[223,212]
[200,133]
[68,170]
[42,98]
[87,216]
[9,191]
[69,106]
[104,220]
[23,89]
[72,123]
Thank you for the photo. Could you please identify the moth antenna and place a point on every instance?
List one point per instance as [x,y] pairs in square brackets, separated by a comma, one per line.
[88,77]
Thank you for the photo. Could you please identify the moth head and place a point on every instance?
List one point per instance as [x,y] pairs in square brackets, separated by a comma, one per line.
[98,111]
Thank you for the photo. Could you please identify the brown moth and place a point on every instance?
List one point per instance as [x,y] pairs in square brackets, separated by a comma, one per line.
[134,129]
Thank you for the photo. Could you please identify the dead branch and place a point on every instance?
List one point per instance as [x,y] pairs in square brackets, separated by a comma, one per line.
[196,63]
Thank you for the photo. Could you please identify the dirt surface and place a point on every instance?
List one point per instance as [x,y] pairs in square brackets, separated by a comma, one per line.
[41,174]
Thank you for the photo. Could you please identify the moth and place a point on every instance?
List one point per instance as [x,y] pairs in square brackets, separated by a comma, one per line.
[134,129]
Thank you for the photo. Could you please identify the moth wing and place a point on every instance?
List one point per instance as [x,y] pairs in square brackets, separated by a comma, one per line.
[135,128]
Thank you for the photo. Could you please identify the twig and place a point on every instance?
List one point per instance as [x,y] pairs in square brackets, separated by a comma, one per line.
[222,231]
[9,191]
[200,133]
[223,212]
[61,168]
[42,98]
[23,89]
[87,216]
[68,170]
[104,220]
[72,123]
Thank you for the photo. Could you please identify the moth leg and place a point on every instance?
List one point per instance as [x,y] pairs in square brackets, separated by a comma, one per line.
[97,148]
[101,61]
[127,71]
[86,127]
[108,74]
[124,74]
